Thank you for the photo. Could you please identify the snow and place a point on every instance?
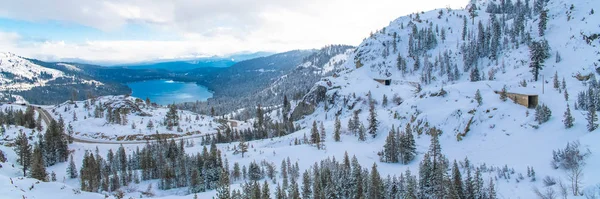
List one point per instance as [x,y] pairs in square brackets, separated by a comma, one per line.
[501,133]
[21,74]
[69,66]
[86,127]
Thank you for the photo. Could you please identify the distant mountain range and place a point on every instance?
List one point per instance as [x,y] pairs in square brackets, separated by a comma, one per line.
[189,64]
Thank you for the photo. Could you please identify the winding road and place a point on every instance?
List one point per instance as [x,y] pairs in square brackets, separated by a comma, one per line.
[48,119]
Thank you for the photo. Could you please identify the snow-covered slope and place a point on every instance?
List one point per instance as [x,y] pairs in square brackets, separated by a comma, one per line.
[17,73]
[90,125]
[500,132]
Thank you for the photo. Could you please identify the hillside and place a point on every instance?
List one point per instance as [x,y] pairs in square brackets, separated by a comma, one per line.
[447,113]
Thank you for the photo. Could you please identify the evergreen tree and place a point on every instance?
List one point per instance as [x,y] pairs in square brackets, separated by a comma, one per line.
[71,169]
[390,148]
[243,147]
[475,76]
[323,134]
[336,131]
[306,185]
[457,185]
[266,193]
[592,118]
[555,81]
[478,97]
[172,118]
[361,133]
[538,53]
[568,118]
[503,95]
[223,188]
[408,148]
[376,189]
[373,123]
[23,151]
[542,22]
[38,168]
[542,113]
[314,135]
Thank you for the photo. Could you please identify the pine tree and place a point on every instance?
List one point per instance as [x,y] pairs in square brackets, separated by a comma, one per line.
[555,81]
[592,118]
[390,148]
[361,133]
[23,151]
[503,93]
[337,128]
[538,52]
[478,97]
[323,134]
[172,118]
[492,190]
[243,147]
[38,168]
[408,148]
[542,22]
[71,169]
[384,101]
[376,189]
[266,193]
[373,123]
[314,135]
[223,188]
[475,76]
[457,185]
[568,118]
[306,185]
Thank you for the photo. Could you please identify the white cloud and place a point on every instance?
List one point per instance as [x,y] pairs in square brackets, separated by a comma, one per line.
[208,26]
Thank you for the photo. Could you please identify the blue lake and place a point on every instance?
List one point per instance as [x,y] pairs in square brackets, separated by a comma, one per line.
[167,92]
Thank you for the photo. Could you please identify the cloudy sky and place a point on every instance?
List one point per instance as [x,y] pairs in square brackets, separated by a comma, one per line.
[121,31]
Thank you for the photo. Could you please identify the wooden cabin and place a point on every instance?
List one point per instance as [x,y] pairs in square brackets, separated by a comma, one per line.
[386,82]
[527,100]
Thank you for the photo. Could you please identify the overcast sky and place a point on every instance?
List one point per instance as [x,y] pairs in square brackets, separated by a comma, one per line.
[120,31]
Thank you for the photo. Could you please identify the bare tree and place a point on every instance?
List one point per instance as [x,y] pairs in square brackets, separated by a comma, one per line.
[548,194]
[572,160]
[563,189]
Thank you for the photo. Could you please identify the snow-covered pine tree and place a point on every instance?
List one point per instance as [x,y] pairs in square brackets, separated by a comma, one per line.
[456,183]
[503,93]
[390,148]
[314,135]
[362,133]
[223,191]
[337,129]
[555,81]
[323,134]
[568,118]
[38,168]
[542,22]
[478,97]
[592,118]
[71,169]
[408,148]
[373,122]
[23,151]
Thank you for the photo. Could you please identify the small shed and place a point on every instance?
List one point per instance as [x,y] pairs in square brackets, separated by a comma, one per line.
[386,82]
[527,100]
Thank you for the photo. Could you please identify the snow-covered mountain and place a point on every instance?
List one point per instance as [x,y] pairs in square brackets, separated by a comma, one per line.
[421,74]
[17,73]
